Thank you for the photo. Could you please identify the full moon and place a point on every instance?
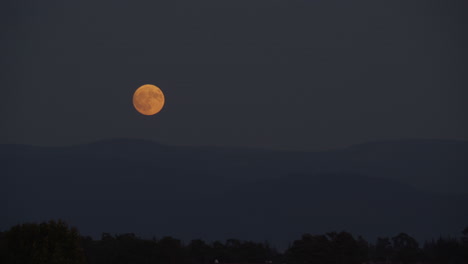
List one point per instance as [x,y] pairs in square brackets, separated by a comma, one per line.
[148,99]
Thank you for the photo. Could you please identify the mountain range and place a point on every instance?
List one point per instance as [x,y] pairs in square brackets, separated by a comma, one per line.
[128,185]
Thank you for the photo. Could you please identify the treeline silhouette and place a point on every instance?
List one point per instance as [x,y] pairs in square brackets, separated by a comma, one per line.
[55,242]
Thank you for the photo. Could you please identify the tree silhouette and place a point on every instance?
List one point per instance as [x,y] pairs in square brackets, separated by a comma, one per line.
[3,248]
[443,250]
[344,248]
[310,249]
[54,242]
[199,252]
[170,250]
[406,248]
[48,243]
[383,249]
[464,244]
[363,248]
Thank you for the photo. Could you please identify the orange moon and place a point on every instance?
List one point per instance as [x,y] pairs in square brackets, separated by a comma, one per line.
[148,99]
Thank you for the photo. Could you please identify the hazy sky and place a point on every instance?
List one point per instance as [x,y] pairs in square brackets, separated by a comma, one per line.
[301,75]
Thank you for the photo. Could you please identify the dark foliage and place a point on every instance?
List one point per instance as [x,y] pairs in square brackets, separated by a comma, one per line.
[127,248]
[55,242]
[49,243]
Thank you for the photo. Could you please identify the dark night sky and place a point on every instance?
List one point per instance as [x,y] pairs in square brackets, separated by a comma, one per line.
[300,75]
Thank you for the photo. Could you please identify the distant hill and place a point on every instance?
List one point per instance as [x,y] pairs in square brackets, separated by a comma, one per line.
[432,165]
[215,193]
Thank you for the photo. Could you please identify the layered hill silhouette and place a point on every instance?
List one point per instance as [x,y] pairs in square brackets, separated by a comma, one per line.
[215,193]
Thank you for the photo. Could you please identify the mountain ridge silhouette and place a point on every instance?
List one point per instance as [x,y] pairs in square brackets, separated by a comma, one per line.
[123,186]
